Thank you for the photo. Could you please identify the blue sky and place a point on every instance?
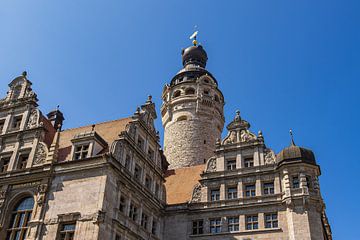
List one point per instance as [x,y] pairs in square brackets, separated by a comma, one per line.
[284,64]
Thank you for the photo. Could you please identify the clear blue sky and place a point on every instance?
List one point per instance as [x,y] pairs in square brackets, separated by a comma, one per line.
[284,64]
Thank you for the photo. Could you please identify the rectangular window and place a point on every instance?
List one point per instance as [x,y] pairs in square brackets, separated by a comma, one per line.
[133,212]
[198,227]
[295,182]
[231,164]
[137,172]
[144,220]
[151,154]
[16,122]
[157,188]
[140,142]
[215,195]
[233,224]
[308,181]
[251,222]
[127,162]
[215,225]
[248,162]
[268,188]
[148,182]
[22,161]
[250,190]
[2,124]
[232,192]
[4,164]
[154,227]
[122,205]
[67,231]
[81,151]
[271,220]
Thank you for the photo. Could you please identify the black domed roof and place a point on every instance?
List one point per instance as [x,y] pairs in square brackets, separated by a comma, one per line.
[194,55]
[295,154]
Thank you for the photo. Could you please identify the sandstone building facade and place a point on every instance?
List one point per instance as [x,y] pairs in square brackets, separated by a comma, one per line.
[113,181]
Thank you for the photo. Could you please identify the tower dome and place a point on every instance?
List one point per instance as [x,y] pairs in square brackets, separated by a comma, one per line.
[192,111]
[195,55]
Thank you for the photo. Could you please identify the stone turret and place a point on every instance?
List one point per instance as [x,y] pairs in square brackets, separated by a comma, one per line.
[192,111]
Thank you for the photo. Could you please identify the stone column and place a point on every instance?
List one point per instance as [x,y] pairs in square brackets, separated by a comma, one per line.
[258,186]
[222,191]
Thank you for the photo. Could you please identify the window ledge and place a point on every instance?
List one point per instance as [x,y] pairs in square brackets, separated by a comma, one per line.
[243,232]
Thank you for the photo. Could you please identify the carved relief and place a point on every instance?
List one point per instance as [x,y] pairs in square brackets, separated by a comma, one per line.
[117,151]
[196,195]
[270,157]
[40,154]
[40,197]
[247,136]
[231,138]
[33,119]
[211,165]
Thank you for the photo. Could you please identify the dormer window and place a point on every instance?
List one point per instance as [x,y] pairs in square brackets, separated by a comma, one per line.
[16,122]
[87,144]
[81,151]
[16,92]
[22,161]
[4,163]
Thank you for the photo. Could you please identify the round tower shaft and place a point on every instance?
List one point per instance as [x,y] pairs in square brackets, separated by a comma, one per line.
[192,112]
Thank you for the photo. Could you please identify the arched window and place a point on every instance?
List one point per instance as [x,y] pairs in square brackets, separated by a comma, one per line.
[20,218]
[176,94]
[217,98]
[182,118]
[16,92]
[189,91]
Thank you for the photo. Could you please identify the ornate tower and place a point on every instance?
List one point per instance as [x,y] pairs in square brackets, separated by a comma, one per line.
[192,111]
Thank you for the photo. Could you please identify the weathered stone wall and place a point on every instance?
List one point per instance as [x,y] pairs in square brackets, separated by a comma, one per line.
[190,142]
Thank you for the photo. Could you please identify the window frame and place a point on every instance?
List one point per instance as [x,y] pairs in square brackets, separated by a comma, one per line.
[81,153]
[232,194]
[295,182]
[69,234]
[215,224]
[268,190]
[231,164]
[251,222]
[215,194]
[250,190]
[271,222]
[233,226]
[248,162]
[197,227]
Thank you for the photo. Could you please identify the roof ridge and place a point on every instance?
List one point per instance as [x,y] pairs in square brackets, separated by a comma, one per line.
[89,125]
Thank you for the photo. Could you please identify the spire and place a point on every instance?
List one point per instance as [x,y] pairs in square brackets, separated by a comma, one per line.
[292,137]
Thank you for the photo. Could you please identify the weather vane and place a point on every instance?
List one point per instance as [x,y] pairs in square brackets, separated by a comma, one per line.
[292,137]
[193,36]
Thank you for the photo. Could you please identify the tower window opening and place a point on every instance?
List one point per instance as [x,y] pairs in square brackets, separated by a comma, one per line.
[204,141]
[217,98]
[182,118]
[206,92]
[176,94]
[189,91]
[206,81]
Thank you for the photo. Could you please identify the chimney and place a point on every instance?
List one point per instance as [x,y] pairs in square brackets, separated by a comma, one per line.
[56,118]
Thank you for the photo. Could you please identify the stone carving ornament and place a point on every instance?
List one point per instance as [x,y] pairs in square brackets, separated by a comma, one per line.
[40,154]
[247,136]
[118,150]
[211,165]
[40,197]
[33,119]
[196,195]
[270,157]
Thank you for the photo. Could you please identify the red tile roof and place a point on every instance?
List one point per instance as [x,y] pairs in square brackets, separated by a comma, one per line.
[180,183]
[109,131]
